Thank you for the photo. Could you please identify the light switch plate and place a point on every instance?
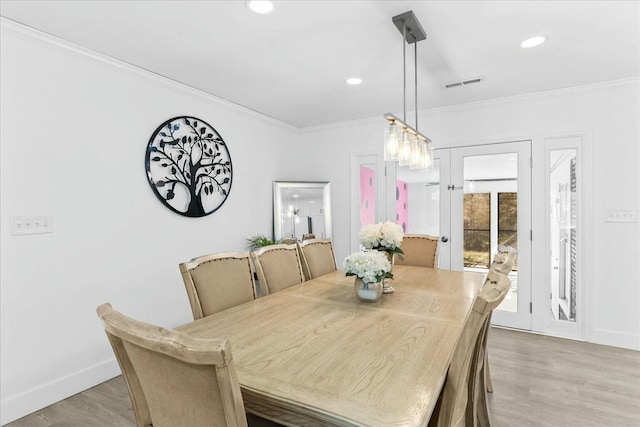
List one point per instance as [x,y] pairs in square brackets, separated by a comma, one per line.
[21,225]
[622,215]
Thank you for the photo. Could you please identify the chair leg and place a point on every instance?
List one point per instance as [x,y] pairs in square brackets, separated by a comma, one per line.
[477,411]
[482,404]
[487,373]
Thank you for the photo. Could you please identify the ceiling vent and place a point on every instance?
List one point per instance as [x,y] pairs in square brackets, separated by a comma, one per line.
[464,82]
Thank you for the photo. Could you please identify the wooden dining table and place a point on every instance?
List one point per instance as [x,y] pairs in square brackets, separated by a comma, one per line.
[313,354]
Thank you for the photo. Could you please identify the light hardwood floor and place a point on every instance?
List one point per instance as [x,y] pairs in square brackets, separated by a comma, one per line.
[537,381]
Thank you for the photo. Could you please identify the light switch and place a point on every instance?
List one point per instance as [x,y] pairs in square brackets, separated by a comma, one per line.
[622,216]
[21,225]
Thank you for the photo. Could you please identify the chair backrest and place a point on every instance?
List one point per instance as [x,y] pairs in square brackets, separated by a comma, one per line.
[174,379]
[420,250]
[452,408]
[278,267]
[308,236]
[504,260]
[317,257]
[217,282]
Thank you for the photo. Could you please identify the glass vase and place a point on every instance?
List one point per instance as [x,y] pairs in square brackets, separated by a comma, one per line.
[367,292]
[386,286]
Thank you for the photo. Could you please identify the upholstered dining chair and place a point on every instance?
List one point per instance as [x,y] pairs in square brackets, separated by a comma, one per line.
[495,289]
[317,257]
[455,408]
[420,250]
[278,267]
[217,282]
[503,262]
[174,379]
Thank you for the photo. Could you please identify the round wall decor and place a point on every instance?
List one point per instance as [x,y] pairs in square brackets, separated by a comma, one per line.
[188,166]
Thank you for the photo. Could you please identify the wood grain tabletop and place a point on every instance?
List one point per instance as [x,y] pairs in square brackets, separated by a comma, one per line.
[313,354]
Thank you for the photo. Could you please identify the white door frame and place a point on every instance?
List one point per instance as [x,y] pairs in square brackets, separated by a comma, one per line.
[522,318]
[444,245]
[542,320]
[375,161]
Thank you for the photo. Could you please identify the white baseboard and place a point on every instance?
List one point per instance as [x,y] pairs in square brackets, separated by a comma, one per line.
[615,339]
[17,406]
[597,336]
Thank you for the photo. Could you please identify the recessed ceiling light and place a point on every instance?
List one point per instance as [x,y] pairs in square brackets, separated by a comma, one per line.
[260,6]
[354,81]
[533,42]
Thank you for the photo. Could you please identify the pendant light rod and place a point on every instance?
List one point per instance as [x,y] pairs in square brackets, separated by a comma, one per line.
[404,72]
[415,70]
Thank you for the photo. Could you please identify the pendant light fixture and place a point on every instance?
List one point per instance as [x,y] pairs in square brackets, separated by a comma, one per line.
[403,143]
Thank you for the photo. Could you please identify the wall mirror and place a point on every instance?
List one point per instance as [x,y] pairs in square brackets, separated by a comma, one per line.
[301,209]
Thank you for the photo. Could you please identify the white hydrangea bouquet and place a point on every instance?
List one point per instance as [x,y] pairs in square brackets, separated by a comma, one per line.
[369,266]
[383,236]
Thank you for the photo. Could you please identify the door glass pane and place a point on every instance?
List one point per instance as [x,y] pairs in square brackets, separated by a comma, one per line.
[563,233]
[490,214]
[477,230]
[367,196]
[418,200]
[508,221]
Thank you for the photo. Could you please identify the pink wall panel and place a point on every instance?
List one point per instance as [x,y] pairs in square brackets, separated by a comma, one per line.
[402,193]
[367,196]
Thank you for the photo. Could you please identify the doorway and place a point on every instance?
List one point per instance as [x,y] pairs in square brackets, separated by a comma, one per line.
[476,199]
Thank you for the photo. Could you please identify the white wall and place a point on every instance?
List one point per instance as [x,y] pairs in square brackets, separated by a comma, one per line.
[74,127]
[74,132]
[610,112]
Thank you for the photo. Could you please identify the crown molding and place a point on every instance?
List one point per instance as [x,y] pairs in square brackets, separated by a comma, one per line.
[49,41]
[485,103]
[536,95]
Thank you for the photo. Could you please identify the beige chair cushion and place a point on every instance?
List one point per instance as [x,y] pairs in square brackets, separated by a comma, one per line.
[317,257]
[420,250]
[278,267]
[218,282]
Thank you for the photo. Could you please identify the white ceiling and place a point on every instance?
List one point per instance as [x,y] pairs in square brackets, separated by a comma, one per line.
[292,64]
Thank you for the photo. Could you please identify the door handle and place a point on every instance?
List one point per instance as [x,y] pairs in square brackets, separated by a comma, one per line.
[444,239]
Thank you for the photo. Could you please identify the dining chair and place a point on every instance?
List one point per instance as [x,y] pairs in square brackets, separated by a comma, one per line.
[218,281]
[495,283]
[317,257]
[503,262]
[420,250]
[174,379]
[455,407]
[278,267]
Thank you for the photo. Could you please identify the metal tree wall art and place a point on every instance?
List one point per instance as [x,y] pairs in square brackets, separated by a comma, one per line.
[188,166]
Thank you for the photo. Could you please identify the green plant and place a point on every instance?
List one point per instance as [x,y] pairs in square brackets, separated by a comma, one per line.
[259,240]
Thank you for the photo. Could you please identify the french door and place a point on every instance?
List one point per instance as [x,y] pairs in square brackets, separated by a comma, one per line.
[476,199]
